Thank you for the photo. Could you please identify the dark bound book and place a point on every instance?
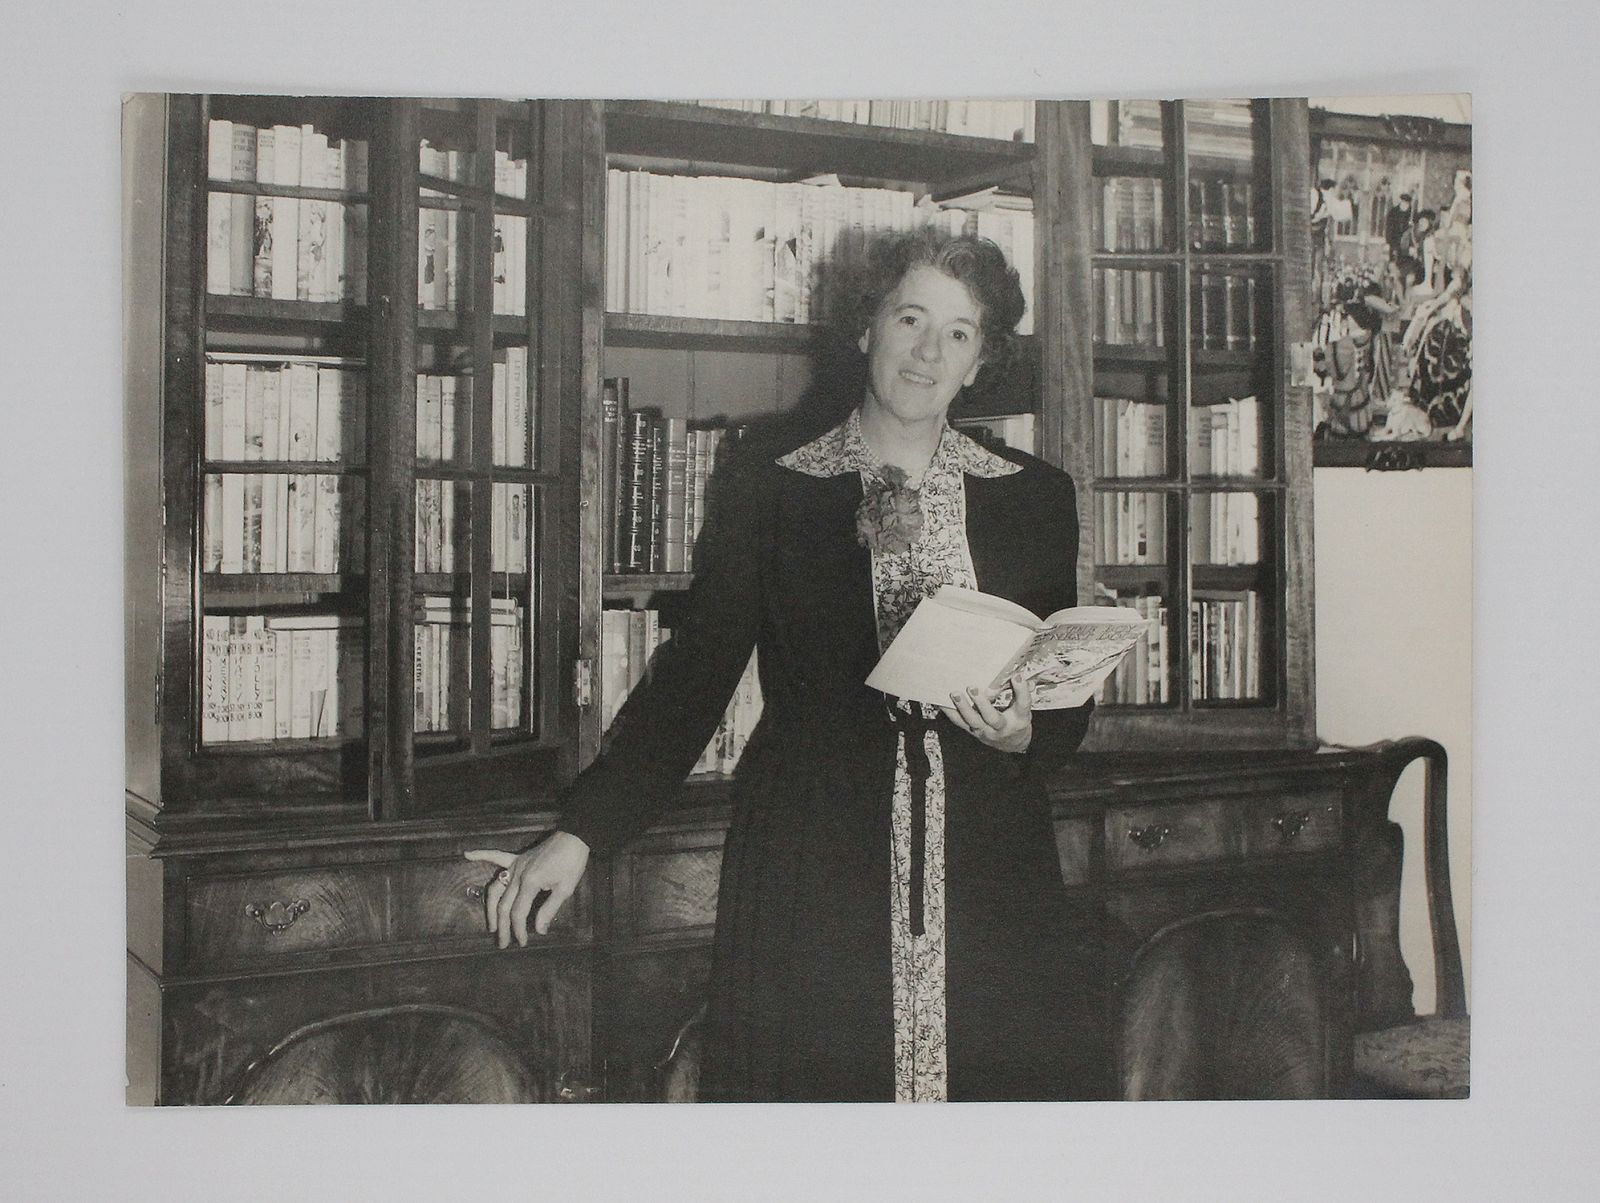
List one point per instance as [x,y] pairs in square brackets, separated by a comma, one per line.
[611,440]
[639,498]
[657,561]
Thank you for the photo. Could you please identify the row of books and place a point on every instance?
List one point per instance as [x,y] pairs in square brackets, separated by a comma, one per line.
[444,413]
[752,250]
[1130,307]
[656,473]
[444,266]
[285,677]
[297,155]
[1129,214]
[1131,528]
[444,527]
[442,663]
[1225,311]
[282,522]
[1222,213]
[1225,439]
[444,262]
[1130,438]
[1007,120]
[1225,528]
[457,165]
[1141,678]
[1225,645]
[287,248]
[628,639]
[289,411]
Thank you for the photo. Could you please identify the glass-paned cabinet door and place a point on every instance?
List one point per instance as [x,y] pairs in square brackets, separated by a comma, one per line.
[484,640]
[1227,151]
[1188,487]
[283,596]
[1233,520]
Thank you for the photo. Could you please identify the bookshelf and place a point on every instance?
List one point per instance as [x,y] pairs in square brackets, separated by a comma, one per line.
[1175,234]
[309,498]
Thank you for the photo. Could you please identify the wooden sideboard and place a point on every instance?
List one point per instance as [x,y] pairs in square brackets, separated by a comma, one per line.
[1247,901]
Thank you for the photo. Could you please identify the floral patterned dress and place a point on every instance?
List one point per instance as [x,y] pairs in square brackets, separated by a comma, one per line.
[901,577]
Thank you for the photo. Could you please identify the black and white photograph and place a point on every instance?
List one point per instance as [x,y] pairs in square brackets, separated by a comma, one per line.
[762,581]
[552,498]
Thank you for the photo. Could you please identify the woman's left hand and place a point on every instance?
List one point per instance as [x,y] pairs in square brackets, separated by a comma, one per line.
[1009,730]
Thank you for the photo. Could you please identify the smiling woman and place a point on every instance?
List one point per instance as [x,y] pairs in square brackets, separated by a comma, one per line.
[891,919]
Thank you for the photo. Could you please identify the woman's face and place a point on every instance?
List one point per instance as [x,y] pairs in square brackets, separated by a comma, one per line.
[924,345]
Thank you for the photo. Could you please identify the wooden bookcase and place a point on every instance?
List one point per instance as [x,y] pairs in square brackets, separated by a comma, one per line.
[365,825]
[281,879]
[700,368]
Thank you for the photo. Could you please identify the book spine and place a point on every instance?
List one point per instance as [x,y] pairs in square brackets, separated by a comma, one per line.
[430,424]
[693,495]
[499,651]
[636,512]
[675,461]
[253,425]
[325,554]
[234,387]
[610,424]
[303,538]
[285,213]
[261,265]
[213,403]
[302,412]
[214,679]
[517,430]
[516,529]
[330,414]
[271,508]
[658,496]
[317,658]
[219,243]
[212,561]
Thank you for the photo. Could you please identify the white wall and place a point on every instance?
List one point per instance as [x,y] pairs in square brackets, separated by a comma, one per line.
[1394,653]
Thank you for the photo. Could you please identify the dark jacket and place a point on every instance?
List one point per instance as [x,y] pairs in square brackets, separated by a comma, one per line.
[801,986]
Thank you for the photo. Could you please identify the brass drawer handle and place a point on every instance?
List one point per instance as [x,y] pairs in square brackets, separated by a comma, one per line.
[1290,822]
[277,917]
[1149,837]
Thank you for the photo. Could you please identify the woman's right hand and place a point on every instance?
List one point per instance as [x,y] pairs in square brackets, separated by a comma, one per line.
[554,866]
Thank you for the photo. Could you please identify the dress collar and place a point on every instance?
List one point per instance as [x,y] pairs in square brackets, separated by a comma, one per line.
[843,449]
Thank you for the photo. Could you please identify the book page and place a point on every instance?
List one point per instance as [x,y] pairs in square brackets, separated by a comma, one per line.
[1066,663]
[941,650]
[970,601]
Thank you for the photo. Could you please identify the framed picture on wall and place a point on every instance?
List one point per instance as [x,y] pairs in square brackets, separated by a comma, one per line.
[1390,357]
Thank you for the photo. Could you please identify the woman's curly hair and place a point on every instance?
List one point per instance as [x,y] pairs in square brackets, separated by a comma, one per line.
[976,262]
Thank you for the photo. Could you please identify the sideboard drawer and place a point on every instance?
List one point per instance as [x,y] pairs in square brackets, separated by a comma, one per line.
[1165,834]
[444,900]
[1308,822]
[673,890]
[249,918]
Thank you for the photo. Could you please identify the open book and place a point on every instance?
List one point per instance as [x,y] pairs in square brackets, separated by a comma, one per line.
[959,638]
